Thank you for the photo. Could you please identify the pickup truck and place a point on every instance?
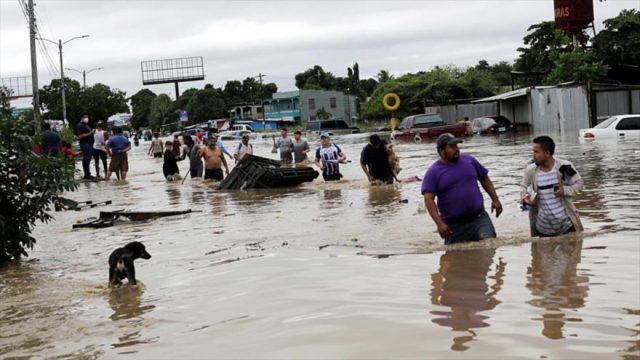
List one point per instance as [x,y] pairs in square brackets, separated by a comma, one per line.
[420,128]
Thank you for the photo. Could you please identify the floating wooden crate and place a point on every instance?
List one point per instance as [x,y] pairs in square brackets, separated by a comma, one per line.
[255,172]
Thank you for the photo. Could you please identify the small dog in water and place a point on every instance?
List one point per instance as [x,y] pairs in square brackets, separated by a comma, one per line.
[121,262]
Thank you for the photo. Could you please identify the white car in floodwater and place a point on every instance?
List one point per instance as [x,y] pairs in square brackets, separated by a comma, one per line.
[618,126]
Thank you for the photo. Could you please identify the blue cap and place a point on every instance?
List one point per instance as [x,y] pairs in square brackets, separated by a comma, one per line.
[325,135]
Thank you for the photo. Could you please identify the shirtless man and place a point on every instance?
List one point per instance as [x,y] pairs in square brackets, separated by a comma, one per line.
[213,160]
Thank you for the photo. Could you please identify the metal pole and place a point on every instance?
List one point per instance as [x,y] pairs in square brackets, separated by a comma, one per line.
[64,101]
[34,64]
[84,79]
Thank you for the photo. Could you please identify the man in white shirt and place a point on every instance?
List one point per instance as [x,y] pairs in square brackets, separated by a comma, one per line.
[243,148]
[99,150]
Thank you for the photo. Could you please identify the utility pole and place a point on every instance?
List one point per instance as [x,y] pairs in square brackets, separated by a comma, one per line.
[84,75]
[34,64]
[64,101]
[260,75]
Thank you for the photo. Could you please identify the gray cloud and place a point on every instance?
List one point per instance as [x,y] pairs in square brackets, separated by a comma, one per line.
[239,39]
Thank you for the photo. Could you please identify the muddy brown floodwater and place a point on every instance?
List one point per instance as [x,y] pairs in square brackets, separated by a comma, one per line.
[341,270]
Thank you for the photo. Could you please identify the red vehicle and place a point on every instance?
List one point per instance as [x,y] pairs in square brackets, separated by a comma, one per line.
[420,128]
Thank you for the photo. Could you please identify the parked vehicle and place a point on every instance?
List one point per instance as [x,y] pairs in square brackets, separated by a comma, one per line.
[332,126]
[618,126]
[493,124]
[236,134]
[420,128]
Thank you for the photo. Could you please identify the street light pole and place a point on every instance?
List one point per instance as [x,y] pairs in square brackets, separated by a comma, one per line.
[64,101]
[84,75]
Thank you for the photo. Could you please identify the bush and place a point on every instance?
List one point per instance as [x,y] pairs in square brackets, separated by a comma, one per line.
[29,185]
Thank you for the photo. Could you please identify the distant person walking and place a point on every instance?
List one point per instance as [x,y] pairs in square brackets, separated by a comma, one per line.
[374,160]
[548,186]
[213,160]
[192,151]
[328,158]
[51,141]
[156,147]
[99,149]
[117,147]
[285,146]
[244,148]
[453,180]
[300,148]
[85,138]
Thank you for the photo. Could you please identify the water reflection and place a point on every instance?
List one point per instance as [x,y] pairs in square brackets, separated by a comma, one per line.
[555,284]
[333,197]
[383,199]
[173,194]
[461,283]
[126,302]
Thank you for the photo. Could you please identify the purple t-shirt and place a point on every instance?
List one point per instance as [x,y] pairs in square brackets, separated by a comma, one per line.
[456,186]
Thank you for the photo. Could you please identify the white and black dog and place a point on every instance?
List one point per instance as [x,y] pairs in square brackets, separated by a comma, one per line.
[121,262]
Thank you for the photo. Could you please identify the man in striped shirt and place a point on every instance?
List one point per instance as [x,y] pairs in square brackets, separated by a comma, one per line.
[328,158]
[554,183]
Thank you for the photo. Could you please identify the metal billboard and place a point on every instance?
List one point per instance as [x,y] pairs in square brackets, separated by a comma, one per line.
[172,70]
[19,86]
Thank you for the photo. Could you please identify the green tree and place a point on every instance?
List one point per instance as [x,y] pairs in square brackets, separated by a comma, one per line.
[268,90]
[162,111]
[29,185]
[315,78]
[141,108]
[205,105]
[323,114]
[183,100]
[5,104]
[578,65]
[233,94]
[619,42]
[98,101]
[383,76]
[544,43]
[367,86]
[51,100]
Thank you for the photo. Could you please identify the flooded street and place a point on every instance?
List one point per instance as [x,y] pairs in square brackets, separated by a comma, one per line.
[339,270]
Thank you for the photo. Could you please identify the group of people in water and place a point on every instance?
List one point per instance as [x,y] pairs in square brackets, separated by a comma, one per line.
[450,186]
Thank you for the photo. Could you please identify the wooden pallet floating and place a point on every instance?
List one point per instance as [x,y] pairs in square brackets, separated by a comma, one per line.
[255,172]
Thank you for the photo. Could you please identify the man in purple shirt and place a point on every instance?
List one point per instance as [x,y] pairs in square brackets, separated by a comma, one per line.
[453,179]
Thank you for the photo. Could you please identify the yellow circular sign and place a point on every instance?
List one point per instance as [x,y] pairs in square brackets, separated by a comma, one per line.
[396,101]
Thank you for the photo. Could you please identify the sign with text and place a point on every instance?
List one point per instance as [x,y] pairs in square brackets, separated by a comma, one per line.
[573,15]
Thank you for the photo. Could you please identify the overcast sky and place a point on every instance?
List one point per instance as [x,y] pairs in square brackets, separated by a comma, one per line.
[278,38]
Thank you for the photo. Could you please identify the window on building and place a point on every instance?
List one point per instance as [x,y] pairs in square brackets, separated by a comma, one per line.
[312,104]
[332,102]
[259,110]
[312,117]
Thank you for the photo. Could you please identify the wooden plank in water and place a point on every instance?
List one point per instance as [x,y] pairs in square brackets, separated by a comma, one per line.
[96,224]
[140,215]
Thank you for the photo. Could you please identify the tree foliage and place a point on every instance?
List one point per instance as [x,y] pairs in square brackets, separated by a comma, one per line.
[205,105]
[98,101]
[619,42]
[579,65]
[162,111]
[141,108]
[29,185]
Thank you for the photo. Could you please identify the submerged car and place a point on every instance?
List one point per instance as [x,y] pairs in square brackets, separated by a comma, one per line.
[494,124]
[618,126]
[332,126]
[420,128]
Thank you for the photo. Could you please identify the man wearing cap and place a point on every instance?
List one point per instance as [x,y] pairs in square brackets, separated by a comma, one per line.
[328,158]
[453,179]
[374,160]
